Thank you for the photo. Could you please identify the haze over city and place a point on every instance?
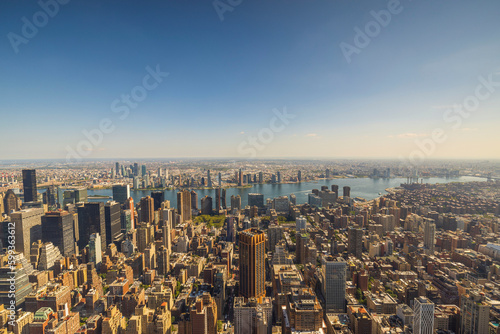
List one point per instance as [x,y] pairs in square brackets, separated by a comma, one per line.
[249,167]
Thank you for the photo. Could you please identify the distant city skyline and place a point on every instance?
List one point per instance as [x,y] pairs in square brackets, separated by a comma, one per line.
[226,78]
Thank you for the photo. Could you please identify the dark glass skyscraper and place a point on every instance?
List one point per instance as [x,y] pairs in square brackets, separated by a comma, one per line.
[29,185]
[112,218]
[158,198]
[91,220]
[58,228]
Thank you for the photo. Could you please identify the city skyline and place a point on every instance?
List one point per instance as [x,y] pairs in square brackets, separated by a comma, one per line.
[228,77]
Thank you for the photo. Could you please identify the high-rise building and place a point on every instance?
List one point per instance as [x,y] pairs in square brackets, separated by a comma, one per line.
[231,229]
[91,220]
[429,235]
[206,205]
[158,198]
[261,177]
[147,210]
[355,241]
[11,202]
[28,228]
[117,168]
[252,317]
[136,169]
[235,203]
[73,196]
[299,176]
[256,200]
[334,282]
[281,205]
[29,185]
[58,228]
[184,205]
[423,316]
[335,189]
[143,170]
[240,177]
[220,198]
[303,312]
[347,191]
[121,192]
[17,279]
[252,263]
[293,199]
[95,252]
[300,223]
[112,218]
[474,314]
[274,234]
[203,315]
[194,200]
[209,179]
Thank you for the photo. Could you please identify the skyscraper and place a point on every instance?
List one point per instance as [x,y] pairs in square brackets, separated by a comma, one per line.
[355,241]
[95,252]
[91,220]
[29,185]
[334,281]
[220,198]
[147,210]
[58,228]
[429,234]
[158,198]
[299,176]
[300,223]
[117,168]
[121,192]
[184,205]
[28,228]
[347,191]
[10,201]
[194,200]
[112,218]
[423,316]
[209,179]
[143,170]
[252,263]
[256,200]
[235,203]
[206,205]
[474,314]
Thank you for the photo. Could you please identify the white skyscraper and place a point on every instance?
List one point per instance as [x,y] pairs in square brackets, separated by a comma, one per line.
[301,223]
[423,319]
[95,252]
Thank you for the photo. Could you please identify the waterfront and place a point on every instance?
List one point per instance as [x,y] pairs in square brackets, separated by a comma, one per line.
[360,187]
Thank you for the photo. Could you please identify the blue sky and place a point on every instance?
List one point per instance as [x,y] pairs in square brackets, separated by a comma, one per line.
[226,77]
